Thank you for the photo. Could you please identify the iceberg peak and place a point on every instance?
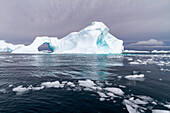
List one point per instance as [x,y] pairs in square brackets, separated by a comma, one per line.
[94,39]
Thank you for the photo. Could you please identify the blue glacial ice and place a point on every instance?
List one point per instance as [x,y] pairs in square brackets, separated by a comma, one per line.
[94,39]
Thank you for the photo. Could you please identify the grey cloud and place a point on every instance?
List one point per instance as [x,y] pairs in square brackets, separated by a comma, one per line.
[23,20]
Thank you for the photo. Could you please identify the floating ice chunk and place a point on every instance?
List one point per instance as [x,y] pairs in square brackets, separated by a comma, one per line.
[114,90]
[131,107]
[102,95]
[156,51]
[111,94]
[86,83]
[130,59]
[168,106]
[146,98]
[71,84]
[55,84]
[122,86]
[160,111]
[135,77]
[138,101]
[133,51]
[35,88]
[134,63]
[10,85]
[102,99]
[87,89]
[20,89]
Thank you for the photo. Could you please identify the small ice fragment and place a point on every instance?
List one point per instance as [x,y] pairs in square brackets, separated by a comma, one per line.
[119,77]
[10,85]
[134,63]
[20,89]
[148,71]
[168,106]
[71,84]
[102,95]
[86,83]
[64,82]
[87,89]
[102,99]
[122,86]
[160,111]
[114,90]
[135,77]
[130,59]
[111,95]
[55,84]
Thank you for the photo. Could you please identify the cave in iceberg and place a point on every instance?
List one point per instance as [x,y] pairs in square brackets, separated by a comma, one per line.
[94,39]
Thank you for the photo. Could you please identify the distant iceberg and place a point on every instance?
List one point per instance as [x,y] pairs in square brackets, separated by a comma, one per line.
[94,39]
[8,47]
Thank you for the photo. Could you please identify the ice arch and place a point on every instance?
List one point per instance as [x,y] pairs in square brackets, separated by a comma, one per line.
[33,48]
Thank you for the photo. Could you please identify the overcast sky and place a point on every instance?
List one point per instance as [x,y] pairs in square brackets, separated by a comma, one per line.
[130,20]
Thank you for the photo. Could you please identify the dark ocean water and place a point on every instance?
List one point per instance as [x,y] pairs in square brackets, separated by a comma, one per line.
[22,78]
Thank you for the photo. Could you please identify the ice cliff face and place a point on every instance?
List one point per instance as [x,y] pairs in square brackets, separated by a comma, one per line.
[94,39]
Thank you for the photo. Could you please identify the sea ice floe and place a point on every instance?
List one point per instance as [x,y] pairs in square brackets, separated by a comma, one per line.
[86,83]
[114,90]
[71,84]
[102,95]
[111,95]
[167,105]
[20,89]
[134,63]
[55,84]
[138,101]
[160,111]
[102,99]
[139,77]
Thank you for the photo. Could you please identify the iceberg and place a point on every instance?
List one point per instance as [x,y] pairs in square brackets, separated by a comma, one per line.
[8,47]
[94,39]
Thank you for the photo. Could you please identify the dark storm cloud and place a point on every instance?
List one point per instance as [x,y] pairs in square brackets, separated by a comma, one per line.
[131,20]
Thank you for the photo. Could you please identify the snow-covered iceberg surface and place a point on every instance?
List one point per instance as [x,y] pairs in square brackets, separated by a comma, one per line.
[94,39]
[8,47]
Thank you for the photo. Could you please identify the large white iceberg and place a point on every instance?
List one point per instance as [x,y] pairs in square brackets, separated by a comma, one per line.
[94,39]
